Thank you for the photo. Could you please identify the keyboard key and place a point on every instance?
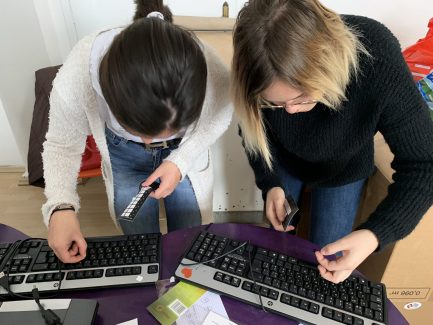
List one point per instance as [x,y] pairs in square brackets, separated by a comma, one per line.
[304,305]
[151,269]
[378,316]
[285,298]
[40,267]
[246,285]
[273,294]
[376,306]
[327,312]
[294,301]
[338,316]
[375,299]
[98,273]
[314,308]
[368,313]
[357,321]
[136,270]
[236,282]
[264,291]
[347,319]
[227,279]
[109,273]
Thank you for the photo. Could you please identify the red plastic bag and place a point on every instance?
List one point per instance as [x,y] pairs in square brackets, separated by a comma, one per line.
[419,57]
[91,158]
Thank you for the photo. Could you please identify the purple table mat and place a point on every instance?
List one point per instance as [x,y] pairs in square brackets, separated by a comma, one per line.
[118,305]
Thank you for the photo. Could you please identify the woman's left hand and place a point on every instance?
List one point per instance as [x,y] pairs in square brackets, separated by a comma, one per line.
[169,175]
[355,248]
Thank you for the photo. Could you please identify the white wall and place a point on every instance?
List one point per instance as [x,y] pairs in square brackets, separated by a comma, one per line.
[22,51]
[9,147]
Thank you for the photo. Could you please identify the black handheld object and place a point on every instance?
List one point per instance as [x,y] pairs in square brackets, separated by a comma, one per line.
[291,209]
[137,201]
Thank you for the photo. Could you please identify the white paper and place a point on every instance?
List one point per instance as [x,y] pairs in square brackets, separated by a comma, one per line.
[130,322]
[196,314]
[215,319]
[30,305]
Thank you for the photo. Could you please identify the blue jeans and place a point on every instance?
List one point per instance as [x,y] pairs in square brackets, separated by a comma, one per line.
[333,209]
[132,163]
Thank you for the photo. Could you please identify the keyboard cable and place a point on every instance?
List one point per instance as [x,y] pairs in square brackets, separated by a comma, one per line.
[249,264]
[50,317]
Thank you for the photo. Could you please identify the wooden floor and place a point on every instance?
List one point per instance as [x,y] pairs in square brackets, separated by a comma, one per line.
[20,207]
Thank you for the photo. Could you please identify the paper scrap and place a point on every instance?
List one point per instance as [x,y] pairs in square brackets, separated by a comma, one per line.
[130,322]
[216,319]
[197,313]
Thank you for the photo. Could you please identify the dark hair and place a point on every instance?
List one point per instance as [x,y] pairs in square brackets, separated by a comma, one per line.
[153,76]
[144,7]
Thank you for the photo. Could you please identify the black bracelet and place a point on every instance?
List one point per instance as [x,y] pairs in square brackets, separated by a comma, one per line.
[62,209]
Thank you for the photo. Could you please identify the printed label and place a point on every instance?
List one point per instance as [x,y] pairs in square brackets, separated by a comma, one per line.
[177,307]
[405,293]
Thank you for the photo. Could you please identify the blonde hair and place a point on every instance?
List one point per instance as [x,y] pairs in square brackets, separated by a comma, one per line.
[298,41]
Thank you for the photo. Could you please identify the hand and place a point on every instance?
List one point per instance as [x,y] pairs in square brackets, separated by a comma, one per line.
[275,211]
[169,175]
[65,238]
[356,247]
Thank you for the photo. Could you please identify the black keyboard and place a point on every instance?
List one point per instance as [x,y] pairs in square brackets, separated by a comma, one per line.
[287,286]
[110,261]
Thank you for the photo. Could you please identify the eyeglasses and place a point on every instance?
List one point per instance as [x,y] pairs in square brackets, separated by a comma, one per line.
[266,104]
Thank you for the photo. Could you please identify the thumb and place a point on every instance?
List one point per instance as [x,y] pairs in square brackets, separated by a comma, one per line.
[280,211]
[334,247]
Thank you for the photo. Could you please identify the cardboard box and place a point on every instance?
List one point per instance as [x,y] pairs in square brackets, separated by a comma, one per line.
[406,266]
[415,311]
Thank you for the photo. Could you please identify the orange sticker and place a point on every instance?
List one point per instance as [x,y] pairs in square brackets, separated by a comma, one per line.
[187,272]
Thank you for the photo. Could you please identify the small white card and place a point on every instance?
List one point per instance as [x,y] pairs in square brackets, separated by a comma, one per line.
[216,319]
[130,322]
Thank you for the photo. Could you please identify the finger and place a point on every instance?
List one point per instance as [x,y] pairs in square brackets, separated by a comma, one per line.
[276,224]
[335,277]
[65,257]
[152,178]
[328,275]
[270,214]
[325,273]
[73,250]
[321,259]
[158,194]
[82,246]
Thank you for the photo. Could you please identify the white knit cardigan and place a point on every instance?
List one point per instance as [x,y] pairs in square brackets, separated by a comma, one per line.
[74,115]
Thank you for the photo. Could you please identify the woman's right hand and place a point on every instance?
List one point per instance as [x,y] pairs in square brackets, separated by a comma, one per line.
[65,238]
[275,211]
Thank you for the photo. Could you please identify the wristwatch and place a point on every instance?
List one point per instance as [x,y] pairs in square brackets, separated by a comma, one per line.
[62,207]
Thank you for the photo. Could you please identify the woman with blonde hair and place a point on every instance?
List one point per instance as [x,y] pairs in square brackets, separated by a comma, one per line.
[311,89]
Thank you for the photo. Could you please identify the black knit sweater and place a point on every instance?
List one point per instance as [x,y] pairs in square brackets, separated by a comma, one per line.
[328,148]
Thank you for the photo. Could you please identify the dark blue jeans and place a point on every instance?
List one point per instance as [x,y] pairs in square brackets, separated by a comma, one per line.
[132,164]
[333,209]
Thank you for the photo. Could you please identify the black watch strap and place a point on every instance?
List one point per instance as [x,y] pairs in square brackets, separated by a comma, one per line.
[63,207]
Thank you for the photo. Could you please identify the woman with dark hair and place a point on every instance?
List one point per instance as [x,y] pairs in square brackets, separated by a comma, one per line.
[154,98]
[311,89]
